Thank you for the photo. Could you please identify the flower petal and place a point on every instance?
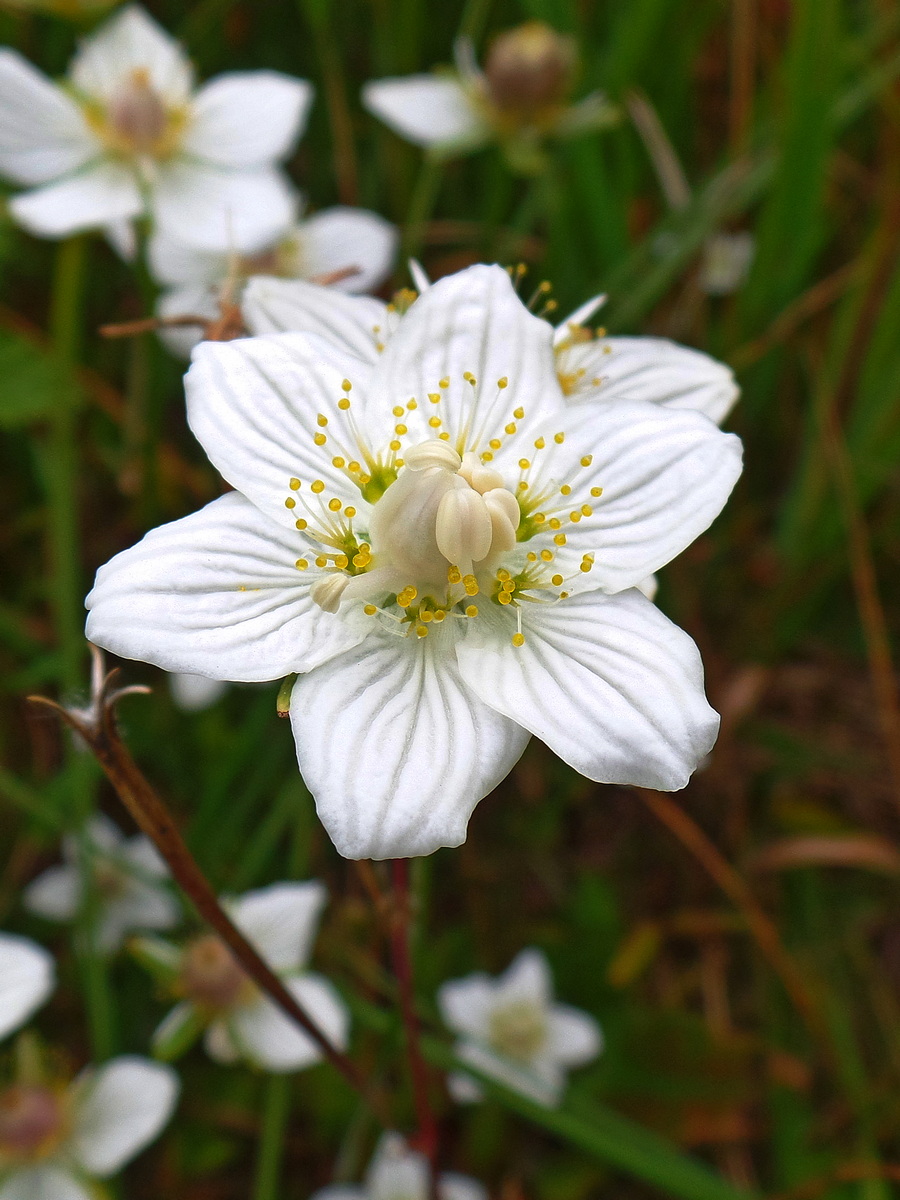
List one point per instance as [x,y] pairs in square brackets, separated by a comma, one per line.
[281,921]
[472,322]
[253,406]
[27,977]
[119,1109]
[396,1171]
[173,262]
[574,1036]
[541,1080]
[460,1187]
[665,475]
[131,40]
[526,979]
[216,593]
[339,239]
[100,194]
[55,894]
[395,748]
[583,313]
[215,209]
[465,1004]
[429,110]
[194,300]
[292,305]
[195,693]
[271,1040]
[247,118]
[42,1183]
[651,369]
[43,133]
[609,683]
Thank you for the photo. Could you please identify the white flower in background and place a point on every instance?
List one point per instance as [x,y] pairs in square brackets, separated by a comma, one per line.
[128,136]
[726,262]
[216,995]
[27,977]
[447,552]
[348,248]
[519,100]
[398,1173]
[57,1141]
[129,882]
[194,693]
[511,1029]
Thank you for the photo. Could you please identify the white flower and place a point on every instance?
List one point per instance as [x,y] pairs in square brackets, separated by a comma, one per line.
[519,100]
[398,1173]
[241,1022]
[348,248]
[55,1141]
[130,883]
[27,977]
[511,1029]
[726,262]
[194,693]
[446,550]
[127,136]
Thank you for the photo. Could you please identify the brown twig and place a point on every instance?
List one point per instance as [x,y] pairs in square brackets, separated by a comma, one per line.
[96,724]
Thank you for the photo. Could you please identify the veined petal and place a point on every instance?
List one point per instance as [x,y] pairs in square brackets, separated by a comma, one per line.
[650,369]
[469,324]
[271,1040]
[42,1183]
[247,118]
[216,209]
[216,593]
[342,238]
[394,747]
[55,894]
[665,475]
[429,110]
[27,977]
[131,40]
[609,683]
[274,305]
[281,921]
[188,300]
[98,195]
[253,405]
[119,1109]
[43,133]
[573,1036]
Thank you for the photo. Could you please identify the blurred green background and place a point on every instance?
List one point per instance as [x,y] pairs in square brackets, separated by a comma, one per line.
[740,944]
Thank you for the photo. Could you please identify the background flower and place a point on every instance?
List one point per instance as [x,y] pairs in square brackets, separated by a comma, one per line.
[27,977]
[398,1173]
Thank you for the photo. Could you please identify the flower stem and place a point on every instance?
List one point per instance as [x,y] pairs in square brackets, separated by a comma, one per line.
[276,1107]
[421,206]
[401,936]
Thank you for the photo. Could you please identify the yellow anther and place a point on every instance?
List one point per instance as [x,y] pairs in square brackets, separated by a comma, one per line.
[539,444]
[353,467]
[350,511]
[343,404]
[444,383]
[434,397]
[295,485]
[301,564]
[341,561]
[519,413]
[411,592]
[421,631]
[518,639]
[547,555]
[575,516]
[370,610]
[509,587]
[439,615]
[361,560]
[587,460]
[503,575]
[321,420]
[556,580]
[394,444]
[347,385]
[532,557]
[400,429]
[586,563]
[412,404]
[504,598]
[524,464]
[559,438]
[338,462]
[565,490]
[487,457]
[398,410]
[560,539]
[321,561]
[470,583]
[444,437]
[563,595]
[555,523]
[320,439]
[596,492]
[300,523]
[586,510]
[471,610]
[334,504]
[495,443]
[539,518]
[510,428]
[318,486]
[454,575]
[290,502]
[434,422]
[469,378]
[502,383]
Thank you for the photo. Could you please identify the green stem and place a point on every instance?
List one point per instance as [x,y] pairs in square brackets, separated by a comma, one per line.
[421,206]
[276,1107]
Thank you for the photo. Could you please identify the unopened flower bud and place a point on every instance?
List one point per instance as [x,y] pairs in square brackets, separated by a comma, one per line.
[30,1119]
[530,68]
[137,114]
[210,975]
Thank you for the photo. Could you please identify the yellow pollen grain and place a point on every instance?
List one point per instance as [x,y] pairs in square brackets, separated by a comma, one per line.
[321,420]
[519,413]
[547,555]
[290,502]
[559,438]
[471,610]
[300,523]
[556,580]
[295,485]
[370,610]
[587,460]
[334,504]
[560,539]
[301,564]
[596,492]
[518,639]
[318,486]
[343,404]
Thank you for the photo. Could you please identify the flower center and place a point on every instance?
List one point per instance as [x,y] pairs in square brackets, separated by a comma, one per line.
[110,880]
[211,977]
[528,75]
[517,1030]
[32,1123]
[137,123]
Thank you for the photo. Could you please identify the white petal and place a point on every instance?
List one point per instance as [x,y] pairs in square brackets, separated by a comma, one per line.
[42,1183]
[195,693]
[541,1081]
[466,1004]
[648,586]
[104,835]
[216,593]
[609,683]
[574,1037]
[460,1187]
[118,1110]
[27,977]
[281,921]
[247,118]
[189,300]
[340,238]
[576,319]
[293,305]
[253,404]
[395,748]
[94,197]
[219,1044]
[463,1088]
[665,476]
[397,1171]
[271,1040]
[55,894]
[655,370]
[43,133]
[122,237]
[527,978]
[219,210]
[474,322]
[131,40]
[173,262]
[428,110]
[146,906]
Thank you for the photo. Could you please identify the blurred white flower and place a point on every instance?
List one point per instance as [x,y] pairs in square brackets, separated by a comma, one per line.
[511,1029]
[129,882]
[55,1142]
[398,1173]
[445,550]
[194,693]
[27,977]
[726,262]
[351,249]
[519,100]
[128,136]
[240,1022]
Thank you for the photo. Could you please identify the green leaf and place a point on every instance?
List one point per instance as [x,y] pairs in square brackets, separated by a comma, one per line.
[34,384]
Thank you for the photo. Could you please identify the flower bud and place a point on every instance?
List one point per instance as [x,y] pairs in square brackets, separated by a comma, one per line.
[530,68]
[210,975]
[31,1119]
